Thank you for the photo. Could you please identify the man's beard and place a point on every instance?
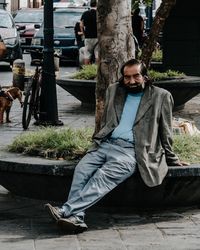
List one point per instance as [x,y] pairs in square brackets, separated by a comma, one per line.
[136,88]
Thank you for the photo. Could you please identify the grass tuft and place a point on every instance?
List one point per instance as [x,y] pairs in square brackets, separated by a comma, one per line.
[157,55]
[52,143]
[72,144]
[88,72]
[187,147]
[156,75]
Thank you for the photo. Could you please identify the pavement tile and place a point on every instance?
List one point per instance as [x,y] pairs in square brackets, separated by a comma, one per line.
[17,245]
[58,243]
[148,235]
[101,239]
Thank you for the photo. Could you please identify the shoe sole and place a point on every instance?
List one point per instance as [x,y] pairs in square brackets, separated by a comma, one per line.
[70,227]
[50,211]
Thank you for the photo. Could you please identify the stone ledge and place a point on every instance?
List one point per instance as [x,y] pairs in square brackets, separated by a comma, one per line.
[37,165]
[51,180]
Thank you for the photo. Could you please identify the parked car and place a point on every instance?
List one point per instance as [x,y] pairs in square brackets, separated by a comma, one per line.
[10,36]
[70,3]
[64,36]
[28,21]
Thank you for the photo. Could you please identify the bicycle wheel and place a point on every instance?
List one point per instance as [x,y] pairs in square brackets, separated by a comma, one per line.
[36,110]
[27,110]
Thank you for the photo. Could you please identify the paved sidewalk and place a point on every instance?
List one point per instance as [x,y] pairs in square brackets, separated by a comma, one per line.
[25,225]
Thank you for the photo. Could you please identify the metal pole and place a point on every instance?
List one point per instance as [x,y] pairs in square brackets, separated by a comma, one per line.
[48,98]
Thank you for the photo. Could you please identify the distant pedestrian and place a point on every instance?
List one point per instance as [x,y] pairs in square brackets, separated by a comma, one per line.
[88,26]
[138,26]
[79,35]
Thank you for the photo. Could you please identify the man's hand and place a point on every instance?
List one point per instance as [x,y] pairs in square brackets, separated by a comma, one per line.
[185,163]
[182,163]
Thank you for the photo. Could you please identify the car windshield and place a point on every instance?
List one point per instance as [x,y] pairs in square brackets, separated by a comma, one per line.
[6,21]
[29,17]
[66,19]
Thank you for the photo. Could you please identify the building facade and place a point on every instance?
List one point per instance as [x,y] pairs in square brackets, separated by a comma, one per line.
[13,5]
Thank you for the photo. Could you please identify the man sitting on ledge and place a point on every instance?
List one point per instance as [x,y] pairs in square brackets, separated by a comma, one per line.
[135,134]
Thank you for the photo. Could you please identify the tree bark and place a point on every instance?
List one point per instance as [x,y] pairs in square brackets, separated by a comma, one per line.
[158,23]
[116,45]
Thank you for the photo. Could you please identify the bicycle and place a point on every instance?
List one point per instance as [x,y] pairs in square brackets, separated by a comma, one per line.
[31,105]
[32,93]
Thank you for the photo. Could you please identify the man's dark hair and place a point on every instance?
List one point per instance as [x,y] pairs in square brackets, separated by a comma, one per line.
[93,3]
[131,62]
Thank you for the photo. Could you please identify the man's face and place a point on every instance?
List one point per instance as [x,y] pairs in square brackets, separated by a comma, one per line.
[133,80]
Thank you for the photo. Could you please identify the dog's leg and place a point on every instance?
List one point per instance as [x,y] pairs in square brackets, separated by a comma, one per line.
[7,114]
[20,98]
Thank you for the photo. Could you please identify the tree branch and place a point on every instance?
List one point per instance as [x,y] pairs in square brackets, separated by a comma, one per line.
[158,23]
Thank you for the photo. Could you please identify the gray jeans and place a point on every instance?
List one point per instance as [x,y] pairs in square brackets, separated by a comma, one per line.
[98,173]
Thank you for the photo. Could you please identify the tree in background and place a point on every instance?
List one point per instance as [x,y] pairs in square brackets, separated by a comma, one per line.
[159,20]
[161,15]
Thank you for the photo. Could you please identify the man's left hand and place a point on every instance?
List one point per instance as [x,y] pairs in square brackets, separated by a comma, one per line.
[183,163]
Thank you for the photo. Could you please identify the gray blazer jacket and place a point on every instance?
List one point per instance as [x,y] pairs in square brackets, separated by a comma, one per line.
[152,130]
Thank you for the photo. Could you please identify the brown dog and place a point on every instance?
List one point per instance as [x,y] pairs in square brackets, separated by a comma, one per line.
[6,102]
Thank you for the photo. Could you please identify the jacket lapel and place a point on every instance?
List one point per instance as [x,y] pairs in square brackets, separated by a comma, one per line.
[145,104]
[119,101]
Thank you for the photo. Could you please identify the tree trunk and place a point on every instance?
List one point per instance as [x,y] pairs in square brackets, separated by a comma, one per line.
[158,23]
[116,45]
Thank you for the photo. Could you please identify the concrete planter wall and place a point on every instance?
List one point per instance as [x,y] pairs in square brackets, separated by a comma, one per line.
[51,180]
[182,89]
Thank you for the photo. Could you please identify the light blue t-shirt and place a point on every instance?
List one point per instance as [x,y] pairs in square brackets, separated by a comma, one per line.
[124,129]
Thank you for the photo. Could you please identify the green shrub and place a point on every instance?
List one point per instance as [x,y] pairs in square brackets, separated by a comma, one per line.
[157,55]
[72,144]
[88,72]
[155,75]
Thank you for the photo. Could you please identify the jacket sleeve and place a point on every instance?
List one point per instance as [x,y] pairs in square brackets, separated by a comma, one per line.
[165,130]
